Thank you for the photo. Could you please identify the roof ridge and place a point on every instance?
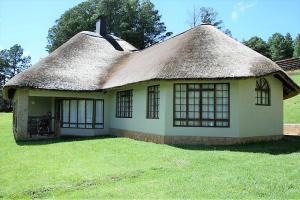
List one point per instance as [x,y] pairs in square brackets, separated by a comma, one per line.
[288,59]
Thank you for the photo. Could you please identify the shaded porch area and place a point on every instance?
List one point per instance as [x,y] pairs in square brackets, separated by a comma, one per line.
[42,114]
[42,117]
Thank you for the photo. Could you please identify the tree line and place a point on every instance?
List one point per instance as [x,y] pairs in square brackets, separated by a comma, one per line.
[278,46]
[12,62]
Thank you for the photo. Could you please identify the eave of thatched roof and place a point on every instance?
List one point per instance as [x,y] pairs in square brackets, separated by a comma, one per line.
[89,62]
[290,64]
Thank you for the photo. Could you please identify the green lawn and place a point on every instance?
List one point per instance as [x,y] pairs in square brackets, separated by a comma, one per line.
[292,105]
[124,168]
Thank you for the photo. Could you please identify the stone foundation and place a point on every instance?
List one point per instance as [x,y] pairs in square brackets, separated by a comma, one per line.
[192,140]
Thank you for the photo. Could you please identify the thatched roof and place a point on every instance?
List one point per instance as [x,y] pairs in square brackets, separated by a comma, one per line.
[289,64]
[89,62]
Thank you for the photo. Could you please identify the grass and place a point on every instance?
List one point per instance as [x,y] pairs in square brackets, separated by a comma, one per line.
[292,105]
[124,168]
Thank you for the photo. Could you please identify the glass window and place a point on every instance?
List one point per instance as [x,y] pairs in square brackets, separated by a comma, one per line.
[205,105]
[262,92]
[65,113]
[124,104]
[153,102]
[99,114]
[82,113]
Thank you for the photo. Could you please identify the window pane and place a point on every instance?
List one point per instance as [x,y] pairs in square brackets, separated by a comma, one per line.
[124,104]
[81,114]
[262,92]
[206,104]
[73,113]
[99,114]
[65,108]
[153,101]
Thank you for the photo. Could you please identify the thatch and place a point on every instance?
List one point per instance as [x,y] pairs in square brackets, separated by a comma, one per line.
[89,62]
[82,63]
[291,64]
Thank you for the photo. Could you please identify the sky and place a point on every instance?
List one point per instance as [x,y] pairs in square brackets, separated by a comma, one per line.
[26,22]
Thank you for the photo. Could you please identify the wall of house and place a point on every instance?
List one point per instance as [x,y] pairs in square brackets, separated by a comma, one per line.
[40,106]
[246,118]
[256,120]
[51,95]
[139,122]
[21,101]
[231,131]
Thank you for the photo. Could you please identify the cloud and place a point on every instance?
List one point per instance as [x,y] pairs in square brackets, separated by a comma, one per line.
[240,8]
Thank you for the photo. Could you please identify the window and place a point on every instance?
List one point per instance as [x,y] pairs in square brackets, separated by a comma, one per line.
[262,92]
[82,113]
[201,105]
[124,104]
[153,102]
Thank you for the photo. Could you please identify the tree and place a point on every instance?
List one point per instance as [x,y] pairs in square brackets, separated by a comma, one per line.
[259,45]
[280,46]
[137,22]
[12,62]
[194,17]
[297,47]
[289,45]
[206,15]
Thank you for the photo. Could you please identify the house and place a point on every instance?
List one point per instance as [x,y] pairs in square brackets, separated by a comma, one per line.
[289,65]
[199,87]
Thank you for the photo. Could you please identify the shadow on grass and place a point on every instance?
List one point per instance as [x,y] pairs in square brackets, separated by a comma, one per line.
[287,145]
[60,140]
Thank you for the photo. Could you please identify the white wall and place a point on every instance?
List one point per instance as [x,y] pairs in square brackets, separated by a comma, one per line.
[256,120]
[246,118]
[21,100]
[139,122]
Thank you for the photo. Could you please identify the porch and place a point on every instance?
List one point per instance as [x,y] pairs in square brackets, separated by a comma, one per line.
[40,116]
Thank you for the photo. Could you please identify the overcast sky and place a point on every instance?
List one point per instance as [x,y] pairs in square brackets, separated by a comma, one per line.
[26,22]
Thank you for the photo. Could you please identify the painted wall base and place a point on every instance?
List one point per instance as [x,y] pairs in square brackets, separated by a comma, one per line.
[191,140]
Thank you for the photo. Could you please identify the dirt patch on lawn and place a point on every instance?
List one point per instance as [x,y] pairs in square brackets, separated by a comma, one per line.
[291,129]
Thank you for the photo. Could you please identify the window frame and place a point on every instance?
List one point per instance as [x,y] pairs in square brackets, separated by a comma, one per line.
[121,111]
[156,102]
[200,106]
[259,88]
[85,124]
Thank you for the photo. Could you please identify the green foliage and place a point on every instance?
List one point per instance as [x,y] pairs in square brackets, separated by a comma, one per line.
[297,47]
[259,45]
[209,16]
[137,22]
[206,15]
[281,47]
[292,105]
[121,168]
[12,62]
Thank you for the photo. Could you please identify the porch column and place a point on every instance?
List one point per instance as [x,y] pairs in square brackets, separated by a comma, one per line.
[22,114]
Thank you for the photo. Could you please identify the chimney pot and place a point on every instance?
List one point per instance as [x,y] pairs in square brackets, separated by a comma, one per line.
[101,26]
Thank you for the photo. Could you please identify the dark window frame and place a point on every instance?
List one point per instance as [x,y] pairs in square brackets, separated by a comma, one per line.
[124,104]
[94,124]
[262,87]
[200,104]
[153,102]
